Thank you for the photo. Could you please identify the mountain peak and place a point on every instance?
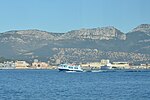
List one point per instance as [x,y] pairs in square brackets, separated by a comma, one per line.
[103,33]
[108,27]
[144,25]
[142,28]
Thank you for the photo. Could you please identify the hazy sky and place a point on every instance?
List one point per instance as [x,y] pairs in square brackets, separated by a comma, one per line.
[66,15]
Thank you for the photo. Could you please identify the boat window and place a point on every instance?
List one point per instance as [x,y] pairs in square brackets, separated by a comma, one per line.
[65,66]
[75,67]
[70,67]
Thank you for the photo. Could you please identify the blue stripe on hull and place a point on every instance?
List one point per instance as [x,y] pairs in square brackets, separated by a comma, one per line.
[64,70]
[70,70]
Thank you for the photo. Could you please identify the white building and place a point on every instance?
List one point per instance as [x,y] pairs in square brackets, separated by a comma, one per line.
[121,65]
[21,64]
[7,65]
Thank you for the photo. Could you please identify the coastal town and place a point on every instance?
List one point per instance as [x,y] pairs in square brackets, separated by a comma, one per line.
[86,66]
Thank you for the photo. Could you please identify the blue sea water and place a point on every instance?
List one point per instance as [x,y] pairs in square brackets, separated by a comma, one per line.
[54,85]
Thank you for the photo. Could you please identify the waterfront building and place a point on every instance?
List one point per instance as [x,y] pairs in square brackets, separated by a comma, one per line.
[39,65]
[21,65]
[145,66]
[95,65]
[92,65]
[104,62]
[121,65]
[7,65]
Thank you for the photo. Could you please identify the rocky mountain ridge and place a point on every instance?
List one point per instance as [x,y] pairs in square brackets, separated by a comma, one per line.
[30,44]
[142,28]
[104,33]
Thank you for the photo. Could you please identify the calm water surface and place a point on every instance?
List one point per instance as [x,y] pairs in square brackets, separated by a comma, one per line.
[54,85]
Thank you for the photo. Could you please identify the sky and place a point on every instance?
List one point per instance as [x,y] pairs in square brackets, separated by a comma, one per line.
[66,15]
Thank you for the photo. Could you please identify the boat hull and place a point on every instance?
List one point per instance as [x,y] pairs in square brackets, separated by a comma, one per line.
[70,70]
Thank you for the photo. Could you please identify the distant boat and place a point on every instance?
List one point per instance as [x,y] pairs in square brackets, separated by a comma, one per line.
[70,67]
[106,67]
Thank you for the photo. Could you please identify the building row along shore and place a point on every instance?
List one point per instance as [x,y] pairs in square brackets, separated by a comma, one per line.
[114,65]
[24,65]
[93,65]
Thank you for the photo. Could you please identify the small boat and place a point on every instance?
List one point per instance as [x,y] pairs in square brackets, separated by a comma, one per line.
[70,68]
[106,67]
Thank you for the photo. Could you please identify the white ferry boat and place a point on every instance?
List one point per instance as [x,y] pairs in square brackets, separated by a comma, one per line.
[70,67]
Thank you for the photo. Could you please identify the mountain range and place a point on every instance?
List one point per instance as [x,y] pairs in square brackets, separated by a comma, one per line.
[83,45]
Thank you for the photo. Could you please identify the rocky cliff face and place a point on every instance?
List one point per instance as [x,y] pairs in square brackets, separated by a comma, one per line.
[142,28]
[105,33]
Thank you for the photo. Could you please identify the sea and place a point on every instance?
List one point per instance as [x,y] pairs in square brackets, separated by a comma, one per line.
[55,85]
